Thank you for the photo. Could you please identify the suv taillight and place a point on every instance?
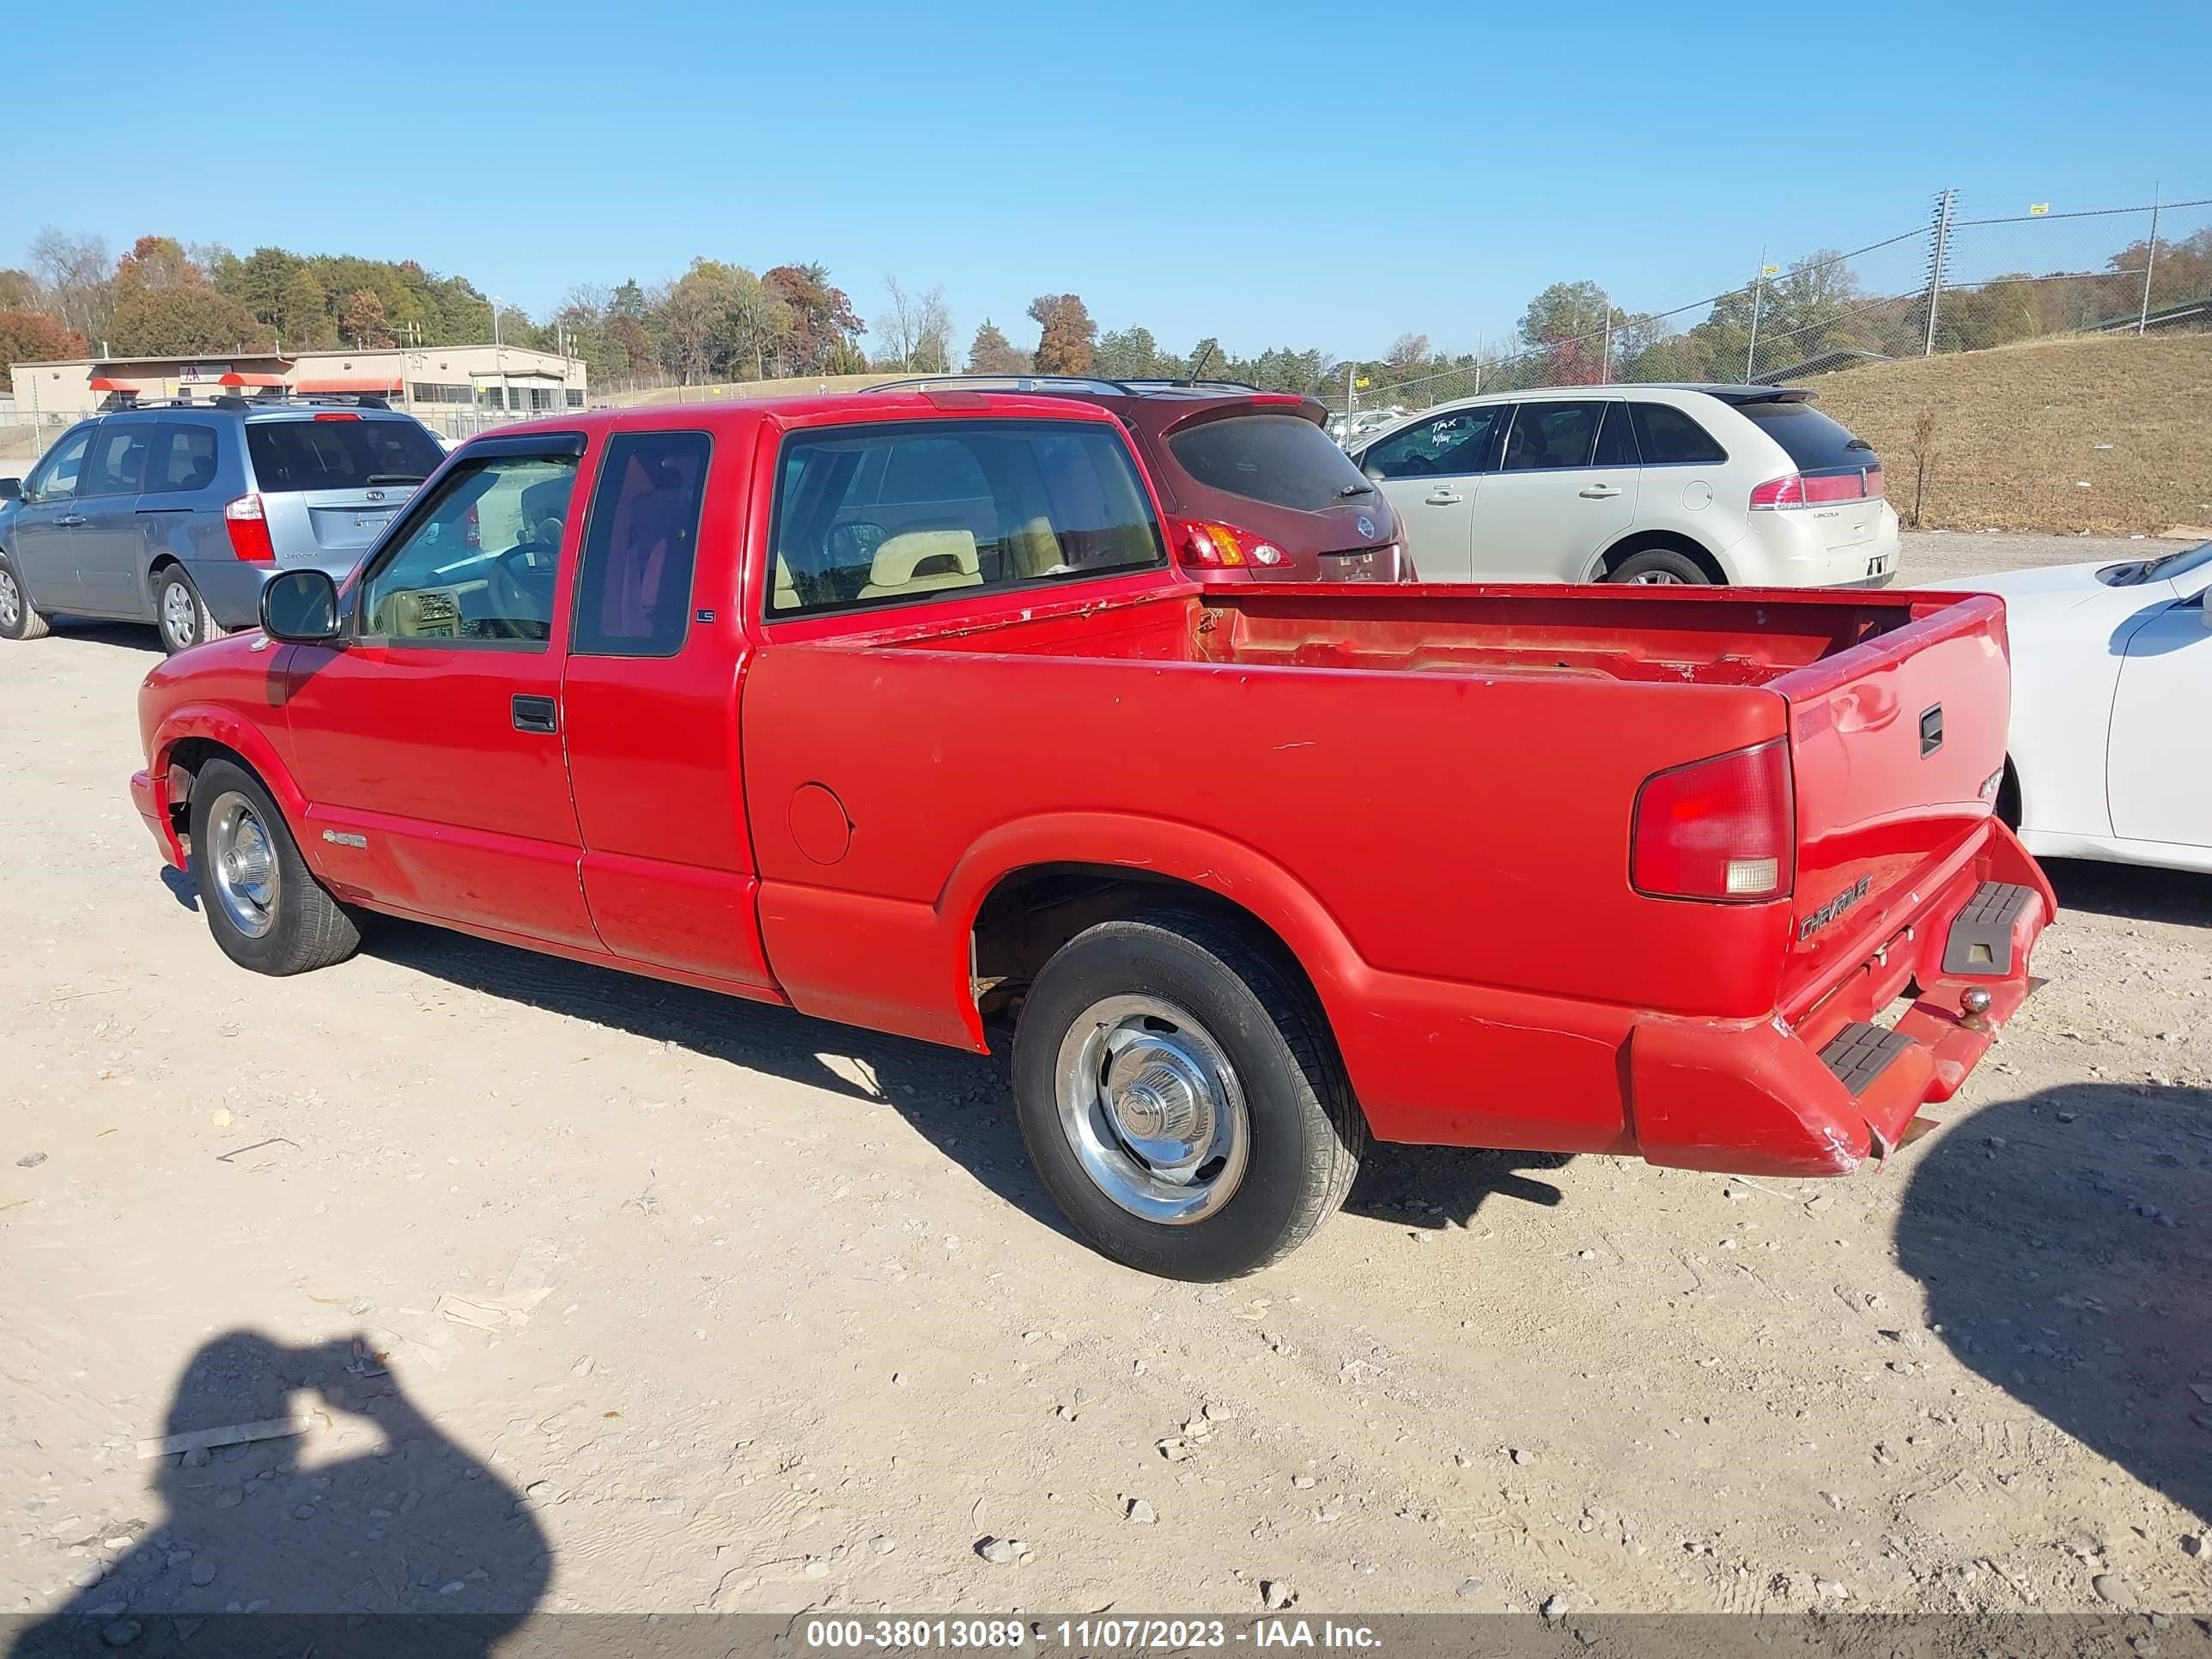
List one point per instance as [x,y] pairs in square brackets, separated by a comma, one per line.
[249,531]
[1200,544]
[1800,489]
[1718,829]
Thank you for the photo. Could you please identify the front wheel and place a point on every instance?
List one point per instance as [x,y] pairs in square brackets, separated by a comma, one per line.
[1183,1098]
[180,611]
[1659,566]
[18,621]
[264,905]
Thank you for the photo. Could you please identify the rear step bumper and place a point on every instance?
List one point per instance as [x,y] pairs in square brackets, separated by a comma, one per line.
[1822,1097]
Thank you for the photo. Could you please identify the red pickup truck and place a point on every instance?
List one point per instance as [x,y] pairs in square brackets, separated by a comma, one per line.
[892,709]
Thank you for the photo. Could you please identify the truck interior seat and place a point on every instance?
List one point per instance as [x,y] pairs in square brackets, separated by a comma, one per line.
[922,560]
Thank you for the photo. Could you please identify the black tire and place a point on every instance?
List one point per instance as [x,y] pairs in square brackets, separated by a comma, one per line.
[1305,1131]
[192,624]
[18,620]
[1660,564]
[305,928]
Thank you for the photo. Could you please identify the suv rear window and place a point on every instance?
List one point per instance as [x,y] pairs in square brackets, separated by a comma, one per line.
[1816,443]
[1279,459]
[348,453]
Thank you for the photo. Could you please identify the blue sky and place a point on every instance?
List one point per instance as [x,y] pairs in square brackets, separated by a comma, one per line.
[1275,173]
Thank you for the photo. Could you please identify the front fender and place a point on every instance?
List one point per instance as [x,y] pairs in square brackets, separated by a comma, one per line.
[219,724]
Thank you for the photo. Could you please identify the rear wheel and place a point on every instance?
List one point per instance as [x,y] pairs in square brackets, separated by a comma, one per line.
[264,905]
[1181,1098]
[18,621]
[1665,566]
[180,611]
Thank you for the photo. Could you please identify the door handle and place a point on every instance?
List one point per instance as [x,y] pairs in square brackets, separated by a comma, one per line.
[537,714]
[1599,492]
[1444,498]
[68,520]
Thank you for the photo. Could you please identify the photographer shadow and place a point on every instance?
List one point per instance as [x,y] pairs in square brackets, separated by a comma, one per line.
[371,1529]
[2062,1240]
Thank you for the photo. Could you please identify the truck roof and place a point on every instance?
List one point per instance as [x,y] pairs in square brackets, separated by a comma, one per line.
[814,409]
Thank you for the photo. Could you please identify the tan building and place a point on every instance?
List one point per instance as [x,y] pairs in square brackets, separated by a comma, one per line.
[455,389]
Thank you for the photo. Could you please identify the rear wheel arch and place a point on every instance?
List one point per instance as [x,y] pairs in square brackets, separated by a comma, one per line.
[1637,541]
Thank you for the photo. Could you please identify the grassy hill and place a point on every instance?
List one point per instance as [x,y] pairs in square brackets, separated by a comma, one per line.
[2015,431]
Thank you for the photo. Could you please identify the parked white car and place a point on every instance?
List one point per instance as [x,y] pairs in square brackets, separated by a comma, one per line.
[2110,757]
[1636,484]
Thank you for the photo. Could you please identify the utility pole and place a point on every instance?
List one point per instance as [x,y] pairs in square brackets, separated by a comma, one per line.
[1757,294]
[2150,263]
[1946,201]
[1605,362]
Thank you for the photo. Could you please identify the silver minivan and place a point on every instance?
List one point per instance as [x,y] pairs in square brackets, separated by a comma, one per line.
[176,514]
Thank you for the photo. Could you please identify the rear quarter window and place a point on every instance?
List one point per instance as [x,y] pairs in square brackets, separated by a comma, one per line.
[1278,460]
[1669,437]
[1814,441]
[348,453]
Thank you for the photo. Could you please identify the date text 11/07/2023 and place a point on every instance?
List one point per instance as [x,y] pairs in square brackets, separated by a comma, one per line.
[1086,1635]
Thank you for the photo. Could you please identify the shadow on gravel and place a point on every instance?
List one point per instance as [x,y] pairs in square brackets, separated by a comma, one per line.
[381,1517]
[2132,890]
[961,1103]
[1445,1185]
[2064,1244]
[182,888]
[129,636]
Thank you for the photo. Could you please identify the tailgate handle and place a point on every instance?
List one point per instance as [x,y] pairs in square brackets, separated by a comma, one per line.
[535,715]
[1931,731]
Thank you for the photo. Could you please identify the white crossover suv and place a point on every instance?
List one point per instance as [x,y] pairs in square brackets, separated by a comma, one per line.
[1636,484]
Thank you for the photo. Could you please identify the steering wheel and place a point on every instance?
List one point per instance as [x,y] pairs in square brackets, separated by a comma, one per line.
[520,587]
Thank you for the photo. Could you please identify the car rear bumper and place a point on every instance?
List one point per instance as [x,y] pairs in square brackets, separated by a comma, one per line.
[1821,1095]
[151,796]
[232,589]
[1441,1064]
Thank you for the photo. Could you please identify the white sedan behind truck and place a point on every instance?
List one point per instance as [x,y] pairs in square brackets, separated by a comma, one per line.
[2109,755]
[1748,485]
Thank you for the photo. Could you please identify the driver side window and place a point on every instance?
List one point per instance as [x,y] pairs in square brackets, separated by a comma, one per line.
[56,477]
[482,564]
[1450,445]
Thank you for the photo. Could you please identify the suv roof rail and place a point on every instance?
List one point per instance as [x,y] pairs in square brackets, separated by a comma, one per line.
[1052,383]
[234,404]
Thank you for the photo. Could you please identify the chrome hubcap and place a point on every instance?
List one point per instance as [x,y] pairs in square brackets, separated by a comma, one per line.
[1153,1110]
[179,615]
[11,601]
[1656,578]
[242,859]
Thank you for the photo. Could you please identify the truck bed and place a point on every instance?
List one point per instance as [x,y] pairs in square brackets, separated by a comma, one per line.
[1678,636]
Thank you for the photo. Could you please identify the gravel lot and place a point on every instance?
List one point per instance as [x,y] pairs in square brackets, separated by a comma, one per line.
[614,1297]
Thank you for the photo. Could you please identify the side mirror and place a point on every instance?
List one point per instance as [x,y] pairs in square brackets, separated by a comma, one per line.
[302,606]
[11,490]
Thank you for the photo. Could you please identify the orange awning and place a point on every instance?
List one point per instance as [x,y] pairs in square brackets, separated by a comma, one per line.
[109,383]
[368,385]
[236,378]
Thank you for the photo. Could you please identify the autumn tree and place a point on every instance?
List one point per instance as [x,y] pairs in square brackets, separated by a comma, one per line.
[1068,341]
[181,321]
[990,353]
[362,322]
[155,263]
[37,337]
[824,326]
[18,291]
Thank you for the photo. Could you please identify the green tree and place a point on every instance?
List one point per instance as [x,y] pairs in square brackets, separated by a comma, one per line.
[182,320]
[303,319]
[18,291]
[992,353]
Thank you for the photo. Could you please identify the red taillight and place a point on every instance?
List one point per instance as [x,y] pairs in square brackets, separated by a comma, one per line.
[1201,545]
[332,415]
[1718,829]
[249,531]
[1795,489]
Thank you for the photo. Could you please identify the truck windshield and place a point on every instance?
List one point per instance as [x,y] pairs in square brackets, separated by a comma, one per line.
[893,513]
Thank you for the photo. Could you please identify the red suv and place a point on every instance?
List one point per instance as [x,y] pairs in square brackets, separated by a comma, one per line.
[1254,487]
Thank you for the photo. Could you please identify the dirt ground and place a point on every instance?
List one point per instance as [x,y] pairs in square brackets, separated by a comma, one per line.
[598,1294]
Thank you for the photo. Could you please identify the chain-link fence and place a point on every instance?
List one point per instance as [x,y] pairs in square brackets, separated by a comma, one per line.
[1953,282]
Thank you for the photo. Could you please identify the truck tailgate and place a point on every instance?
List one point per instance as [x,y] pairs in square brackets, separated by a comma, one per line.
[1898,744]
